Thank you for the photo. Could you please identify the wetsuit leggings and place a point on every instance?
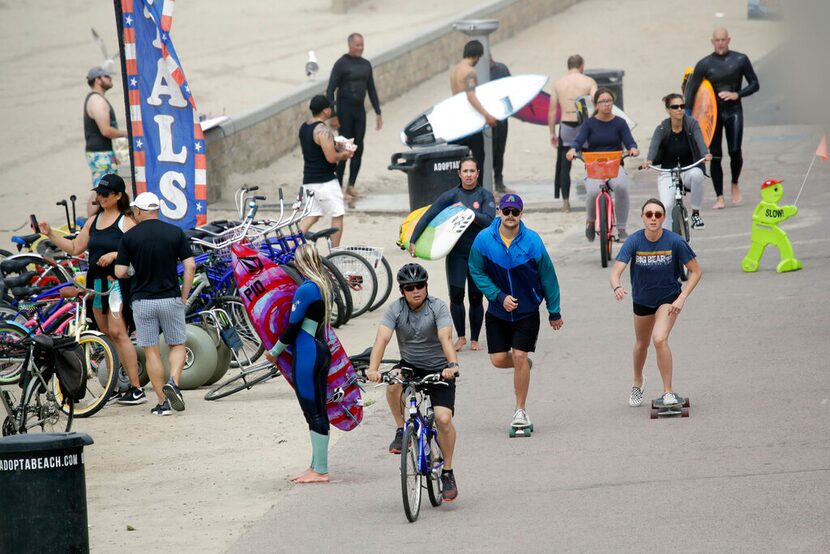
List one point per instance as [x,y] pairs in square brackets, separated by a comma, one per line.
[499,145]
[731,121]
[311,369]
[458,274]
[476,145]
[352,125]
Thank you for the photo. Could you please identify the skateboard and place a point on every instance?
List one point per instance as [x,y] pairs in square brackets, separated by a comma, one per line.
[521,430]
[680,409]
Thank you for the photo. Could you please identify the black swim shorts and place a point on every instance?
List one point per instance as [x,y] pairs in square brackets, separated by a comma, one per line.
[504,335]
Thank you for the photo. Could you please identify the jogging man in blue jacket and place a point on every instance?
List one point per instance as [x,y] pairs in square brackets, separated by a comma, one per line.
[510,265]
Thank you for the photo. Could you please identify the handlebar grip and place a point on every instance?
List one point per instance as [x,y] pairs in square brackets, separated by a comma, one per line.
[250,189]
[259,197]
[280,192]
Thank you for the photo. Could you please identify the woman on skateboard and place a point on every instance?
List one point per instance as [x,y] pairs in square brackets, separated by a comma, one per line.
[656,256]
[310,312]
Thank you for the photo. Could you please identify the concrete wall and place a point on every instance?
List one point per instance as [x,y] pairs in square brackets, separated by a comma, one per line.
[343,6]
[256,138]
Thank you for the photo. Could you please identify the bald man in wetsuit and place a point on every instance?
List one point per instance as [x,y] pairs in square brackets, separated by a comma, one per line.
[726,70]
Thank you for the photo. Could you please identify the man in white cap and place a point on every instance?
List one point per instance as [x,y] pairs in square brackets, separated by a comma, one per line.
[100,128]
[154,249]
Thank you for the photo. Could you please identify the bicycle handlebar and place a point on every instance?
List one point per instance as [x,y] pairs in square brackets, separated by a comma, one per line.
[676,168]
[625,154]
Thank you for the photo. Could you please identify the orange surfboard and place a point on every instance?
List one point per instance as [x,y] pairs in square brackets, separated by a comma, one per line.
[705,110]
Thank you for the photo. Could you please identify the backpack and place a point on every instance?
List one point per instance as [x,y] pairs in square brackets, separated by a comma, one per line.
[65,357]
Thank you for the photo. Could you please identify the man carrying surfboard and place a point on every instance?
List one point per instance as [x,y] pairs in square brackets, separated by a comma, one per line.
[423,327]
[463,79]
[320,157]
[563,95]
[471,194]
[726,70]
[510,265]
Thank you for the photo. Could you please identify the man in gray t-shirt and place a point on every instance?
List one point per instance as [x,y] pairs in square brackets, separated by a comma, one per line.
[423,327]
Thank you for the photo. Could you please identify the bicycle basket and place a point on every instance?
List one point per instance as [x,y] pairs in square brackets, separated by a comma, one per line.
[371,254]
[602,165]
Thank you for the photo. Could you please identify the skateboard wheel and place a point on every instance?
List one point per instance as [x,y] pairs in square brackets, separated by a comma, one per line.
[530,429]
[686,403]
[512,433]
[684,412]
[653,413]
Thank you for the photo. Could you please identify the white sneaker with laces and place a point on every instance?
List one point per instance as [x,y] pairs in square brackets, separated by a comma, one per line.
[520,418]
[669,398]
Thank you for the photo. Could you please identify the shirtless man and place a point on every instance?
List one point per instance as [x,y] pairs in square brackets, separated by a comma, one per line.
[463,78]
[563,95]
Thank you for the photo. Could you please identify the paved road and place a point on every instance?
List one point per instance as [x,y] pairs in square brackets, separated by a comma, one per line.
[747,471]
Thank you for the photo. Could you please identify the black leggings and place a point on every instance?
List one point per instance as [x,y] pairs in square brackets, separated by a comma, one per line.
[352,125]
[730,120]
[457,275]
[314,406]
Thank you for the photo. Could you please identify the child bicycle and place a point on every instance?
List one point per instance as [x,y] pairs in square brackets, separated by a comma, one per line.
[604,166]
[679,213]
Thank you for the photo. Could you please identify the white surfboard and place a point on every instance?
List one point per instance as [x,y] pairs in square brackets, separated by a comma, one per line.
[455,118]
[585,106]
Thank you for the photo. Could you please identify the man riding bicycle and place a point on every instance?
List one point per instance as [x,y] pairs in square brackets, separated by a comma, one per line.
[423,327]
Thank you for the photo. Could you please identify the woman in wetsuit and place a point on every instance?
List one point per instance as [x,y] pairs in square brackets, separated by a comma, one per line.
[101,236]
[472,195]
[605,132]
[310,313]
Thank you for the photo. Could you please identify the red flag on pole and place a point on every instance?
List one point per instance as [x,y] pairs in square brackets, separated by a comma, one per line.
[821,151]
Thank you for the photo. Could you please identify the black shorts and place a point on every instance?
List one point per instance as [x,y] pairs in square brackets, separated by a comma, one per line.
[503,335]
[639,309]
[439,395]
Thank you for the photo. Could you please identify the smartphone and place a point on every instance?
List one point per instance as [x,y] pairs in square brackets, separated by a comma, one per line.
[33,222]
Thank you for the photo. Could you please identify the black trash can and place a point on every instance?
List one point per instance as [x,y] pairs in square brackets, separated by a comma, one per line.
[430,171]
[611,79]
[43,493]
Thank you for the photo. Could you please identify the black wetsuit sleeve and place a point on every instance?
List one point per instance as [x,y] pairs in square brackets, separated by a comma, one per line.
[334,83]
[487,212]
[752,85]
[373,93]
[443,201]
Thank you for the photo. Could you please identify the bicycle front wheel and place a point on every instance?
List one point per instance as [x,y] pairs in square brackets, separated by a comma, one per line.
[436,464]
[12,353]
[385,280]
[411,478]
[361,281]
[680,225]
[604,233]
[246,380]
[102,363]
[252,347]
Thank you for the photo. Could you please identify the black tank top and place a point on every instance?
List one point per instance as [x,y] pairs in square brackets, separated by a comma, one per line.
[316,168]
[95,141]
[103,241]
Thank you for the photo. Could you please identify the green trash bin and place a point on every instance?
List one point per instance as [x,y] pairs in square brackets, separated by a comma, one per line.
[43,493]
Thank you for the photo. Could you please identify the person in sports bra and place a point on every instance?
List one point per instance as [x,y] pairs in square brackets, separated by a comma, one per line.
[310,312]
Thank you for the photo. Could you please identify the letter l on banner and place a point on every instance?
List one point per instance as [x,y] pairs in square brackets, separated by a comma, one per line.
[167,145]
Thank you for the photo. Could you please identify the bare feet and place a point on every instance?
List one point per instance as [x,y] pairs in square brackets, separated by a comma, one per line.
[736,195]
[459,344]
[719,204]
[566,205]
[474,345]
[310,476]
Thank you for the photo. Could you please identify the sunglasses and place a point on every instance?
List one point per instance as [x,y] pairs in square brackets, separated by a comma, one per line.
[677,106]
[653,215]
[515,212]
[416,286]
[104,193]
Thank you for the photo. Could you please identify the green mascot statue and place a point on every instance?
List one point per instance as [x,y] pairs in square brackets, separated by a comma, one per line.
[765,231]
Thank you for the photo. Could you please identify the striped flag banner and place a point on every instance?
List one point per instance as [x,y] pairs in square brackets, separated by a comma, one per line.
[167,144]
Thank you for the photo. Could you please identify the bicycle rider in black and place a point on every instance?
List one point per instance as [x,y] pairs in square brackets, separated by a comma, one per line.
[352,78]
[474,196]
[726,70]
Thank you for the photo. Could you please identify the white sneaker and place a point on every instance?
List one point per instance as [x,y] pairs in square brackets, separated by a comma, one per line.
[636,397]
[520,418]
[669,399]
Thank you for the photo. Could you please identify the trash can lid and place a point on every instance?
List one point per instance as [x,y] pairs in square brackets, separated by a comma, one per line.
[440,151]
[36,442]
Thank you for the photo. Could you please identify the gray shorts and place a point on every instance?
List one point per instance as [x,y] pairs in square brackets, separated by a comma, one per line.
[165,315]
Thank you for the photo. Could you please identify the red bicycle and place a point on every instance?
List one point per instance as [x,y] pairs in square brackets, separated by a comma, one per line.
[604,166]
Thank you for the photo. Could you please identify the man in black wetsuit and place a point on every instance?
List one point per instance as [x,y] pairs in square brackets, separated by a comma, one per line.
[499,71]
[352,78]
[474,196]
[726,70]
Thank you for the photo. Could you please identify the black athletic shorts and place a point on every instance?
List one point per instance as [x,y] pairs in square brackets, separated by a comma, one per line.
[639,309]
[503,335]
[439,395]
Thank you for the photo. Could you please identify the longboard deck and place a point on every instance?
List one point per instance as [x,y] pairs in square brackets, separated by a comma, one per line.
[440,235]
[536,112]
[267,292]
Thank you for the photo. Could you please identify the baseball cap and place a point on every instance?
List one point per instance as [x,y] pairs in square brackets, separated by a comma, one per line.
[110,183]
[98,71]
[511,201]
[146,201]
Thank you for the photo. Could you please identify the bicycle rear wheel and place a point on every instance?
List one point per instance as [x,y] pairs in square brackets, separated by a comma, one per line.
[385,280]
[43,412]
[341,291]
[411,478]
[604,234]
[680,225]
[436,464]
[12,353]
[252,347]
[361,281]
[102,367]
[254,375]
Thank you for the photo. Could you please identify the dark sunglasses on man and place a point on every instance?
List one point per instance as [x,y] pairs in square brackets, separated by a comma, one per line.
[515,212]
[415,286]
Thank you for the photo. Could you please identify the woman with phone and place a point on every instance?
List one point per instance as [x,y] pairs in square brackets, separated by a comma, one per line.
[100,237]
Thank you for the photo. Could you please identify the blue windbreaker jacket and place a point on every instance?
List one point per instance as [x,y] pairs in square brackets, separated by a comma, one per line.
[523,271]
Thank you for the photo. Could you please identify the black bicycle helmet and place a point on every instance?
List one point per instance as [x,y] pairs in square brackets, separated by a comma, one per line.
[411,274]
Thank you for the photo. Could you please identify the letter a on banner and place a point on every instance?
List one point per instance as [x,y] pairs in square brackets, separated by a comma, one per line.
[167,145]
